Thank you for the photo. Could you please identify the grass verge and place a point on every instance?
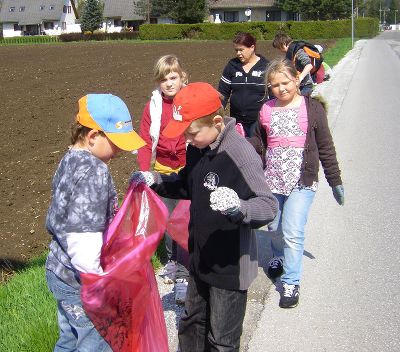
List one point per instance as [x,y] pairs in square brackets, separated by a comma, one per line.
[335,53]
[28,314]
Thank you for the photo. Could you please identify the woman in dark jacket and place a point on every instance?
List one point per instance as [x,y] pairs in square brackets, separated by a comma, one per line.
[243,83]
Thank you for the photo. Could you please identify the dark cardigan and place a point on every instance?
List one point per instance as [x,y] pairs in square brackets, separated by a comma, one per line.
[319,147]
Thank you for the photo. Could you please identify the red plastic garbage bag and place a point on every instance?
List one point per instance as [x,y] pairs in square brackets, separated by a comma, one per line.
[123,302]
[178,223]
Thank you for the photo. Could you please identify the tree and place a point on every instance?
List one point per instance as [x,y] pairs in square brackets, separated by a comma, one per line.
[79,6]
[143,8]
[189,11]
[392,14]
[317,9]
[92,16]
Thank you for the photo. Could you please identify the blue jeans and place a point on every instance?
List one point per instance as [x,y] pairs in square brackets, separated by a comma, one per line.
[213,318]
[288,237]
[77,332]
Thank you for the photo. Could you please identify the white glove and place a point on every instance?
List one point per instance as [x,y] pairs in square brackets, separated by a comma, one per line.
[139,177]
[225,200]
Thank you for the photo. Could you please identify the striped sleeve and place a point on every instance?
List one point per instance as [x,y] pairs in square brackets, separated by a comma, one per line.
[225,85]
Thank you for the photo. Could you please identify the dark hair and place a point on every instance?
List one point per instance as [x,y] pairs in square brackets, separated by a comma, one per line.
[79,132]
[280,40]
[246,39]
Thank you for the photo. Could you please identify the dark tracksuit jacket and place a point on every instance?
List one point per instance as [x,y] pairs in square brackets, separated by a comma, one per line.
[222,249]
[246,91]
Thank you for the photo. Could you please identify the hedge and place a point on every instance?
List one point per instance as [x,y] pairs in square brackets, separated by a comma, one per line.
[98,36]
[364,28]
[29,39]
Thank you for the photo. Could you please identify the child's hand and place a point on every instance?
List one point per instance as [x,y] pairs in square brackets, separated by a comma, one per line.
[338,193]
[225,200]
[139,177]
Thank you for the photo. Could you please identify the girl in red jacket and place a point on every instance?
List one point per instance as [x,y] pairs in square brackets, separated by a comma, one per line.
[168,155]
[297,140]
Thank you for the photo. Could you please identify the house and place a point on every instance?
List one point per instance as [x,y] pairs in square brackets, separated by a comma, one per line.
[119,14]
[243,11]
[34,17]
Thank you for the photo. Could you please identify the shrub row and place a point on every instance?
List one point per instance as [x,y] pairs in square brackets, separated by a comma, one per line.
[364,28]
[99,36]
[29,39]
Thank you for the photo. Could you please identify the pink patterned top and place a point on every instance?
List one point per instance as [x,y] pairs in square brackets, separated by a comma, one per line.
[284,162]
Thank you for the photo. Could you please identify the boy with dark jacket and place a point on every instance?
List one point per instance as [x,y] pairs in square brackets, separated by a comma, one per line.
[224,180]
[285,44]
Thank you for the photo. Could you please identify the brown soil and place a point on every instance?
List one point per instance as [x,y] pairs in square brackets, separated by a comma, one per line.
[39,90]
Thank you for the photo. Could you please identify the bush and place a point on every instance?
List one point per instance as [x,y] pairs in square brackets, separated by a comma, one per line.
[365,27]
[34,39]
[98,36]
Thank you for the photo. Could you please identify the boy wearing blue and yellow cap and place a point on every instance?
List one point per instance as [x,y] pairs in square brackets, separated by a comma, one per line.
[84,201]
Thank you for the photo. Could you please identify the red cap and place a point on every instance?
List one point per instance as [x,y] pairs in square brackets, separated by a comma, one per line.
[194,101]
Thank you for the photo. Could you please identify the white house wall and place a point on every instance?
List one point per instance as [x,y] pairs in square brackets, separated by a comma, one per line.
[68,18]
[8,31]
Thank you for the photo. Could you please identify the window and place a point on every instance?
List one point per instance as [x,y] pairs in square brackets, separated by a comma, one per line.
[12,9]
[42,7]
[48,25]
[67,9]
[231,16]
[273,16]
[17,27]
[22,9]
[63,26]
[118,23]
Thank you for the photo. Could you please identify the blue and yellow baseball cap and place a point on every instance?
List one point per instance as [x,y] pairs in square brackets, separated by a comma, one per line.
[108,113]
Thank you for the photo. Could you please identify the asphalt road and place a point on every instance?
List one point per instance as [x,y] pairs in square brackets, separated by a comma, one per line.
[350,291]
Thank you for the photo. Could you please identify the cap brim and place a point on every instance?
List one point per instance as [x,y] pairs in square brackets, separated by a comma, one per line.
[175,128]
[126,141]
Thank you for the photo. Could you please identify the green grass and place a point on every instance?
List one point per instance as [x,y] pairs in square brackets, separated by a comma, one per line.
[28,319]
[334,54]
[28,313]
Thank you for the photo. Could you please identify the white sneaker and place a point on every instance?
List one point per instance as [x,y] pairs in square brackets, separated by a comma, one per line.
[168,272]
[180,290]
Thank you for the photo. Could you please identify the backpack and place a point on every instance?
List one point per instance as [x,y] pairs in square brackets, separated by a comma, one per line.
[313,53]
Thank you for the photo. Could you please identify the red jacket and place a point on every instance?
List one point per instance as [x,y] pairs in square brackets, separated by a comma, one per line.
[169,152]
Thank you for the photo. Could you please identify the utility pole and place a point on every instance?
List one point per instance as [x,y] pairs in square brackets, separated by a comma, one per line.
[380,12]
[395,22]
[352,23]
[384,15]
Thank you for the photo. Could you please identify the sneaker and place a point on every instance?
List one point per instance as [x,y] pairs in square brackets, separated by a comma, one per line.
[168,272]
[180,290]
[275,267]
[290,296]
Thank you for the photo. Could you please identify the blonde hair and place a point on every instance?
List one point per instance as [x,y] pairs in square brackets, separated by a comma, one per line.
[283,66]
[167,64]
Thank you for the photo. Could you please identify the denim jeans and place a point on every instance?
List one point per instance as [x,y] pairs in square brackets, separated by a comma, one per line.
[287,239]
[213,318]
[77,332]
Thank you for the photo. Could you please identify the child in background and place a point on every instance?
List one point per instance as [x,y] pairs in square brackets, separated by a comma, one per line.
[224,180]
[169,155]
[301,60]
[83,203]
[298,138]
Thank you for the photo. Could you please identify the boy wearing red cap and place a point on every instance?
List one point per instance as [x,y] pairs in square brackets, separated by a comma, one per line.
[83,203]
[224,180]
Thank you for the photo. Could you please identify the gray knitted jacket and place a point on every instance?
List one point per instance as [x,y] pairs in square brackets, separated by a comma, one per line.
[222,249]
